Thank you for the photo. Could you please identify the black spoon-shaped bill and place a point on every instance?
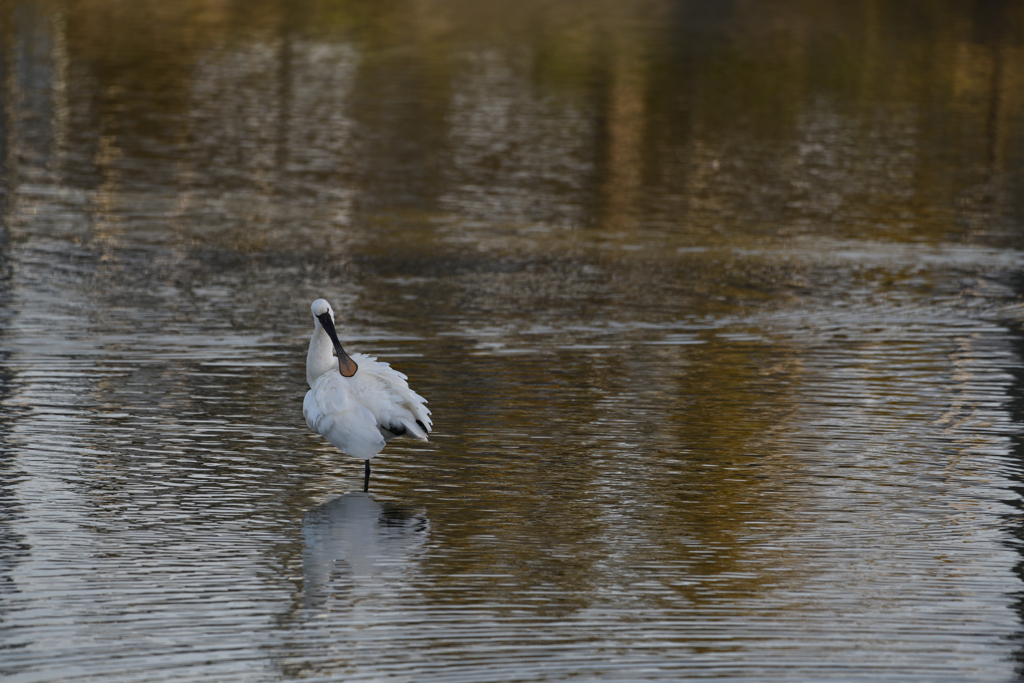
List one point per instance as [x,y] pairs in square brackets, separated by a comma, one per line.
[346,366]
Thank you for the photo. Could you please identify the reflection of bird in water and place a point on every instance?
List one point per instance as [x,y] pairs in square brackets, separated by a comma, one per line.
[356,402]
[355,539]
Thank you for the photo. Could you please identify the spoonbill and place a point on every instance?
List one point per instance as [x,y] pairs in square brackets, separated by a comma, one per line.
[355,401]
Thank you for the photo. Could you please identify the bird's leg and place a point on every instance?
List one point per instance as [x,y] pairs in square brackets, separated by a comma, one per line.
[366,478]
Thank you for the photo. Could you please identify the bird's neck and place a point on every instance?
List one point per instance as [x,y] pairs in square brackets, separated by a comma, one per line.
[320,357]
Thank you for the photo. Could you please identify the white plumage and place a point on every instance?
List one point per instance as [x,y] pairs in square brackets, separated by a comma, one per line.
[357,402]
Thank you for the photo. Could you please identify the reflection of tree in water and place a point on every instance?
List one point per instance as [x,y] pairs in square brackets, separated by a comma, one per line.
[641,475]
[570,117]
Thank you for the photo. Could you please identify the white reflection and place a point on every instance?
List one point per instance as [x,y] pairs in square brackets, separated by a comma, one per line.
[356,548]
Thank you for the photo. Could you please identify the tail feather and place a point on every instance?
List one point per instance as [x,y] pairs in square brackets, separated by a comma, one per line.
[417,429]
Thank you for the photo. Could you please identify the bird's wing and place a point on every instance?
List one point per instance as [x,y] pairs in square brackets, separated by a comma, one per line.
[386,393]
[330,411]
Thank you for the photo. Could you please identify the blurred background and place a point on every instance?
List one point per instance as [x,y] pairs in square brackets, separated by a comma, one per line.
[717,305]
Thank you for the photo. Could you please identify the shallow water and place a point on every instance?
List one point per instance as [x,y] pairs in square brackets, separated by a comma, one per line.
[717,307]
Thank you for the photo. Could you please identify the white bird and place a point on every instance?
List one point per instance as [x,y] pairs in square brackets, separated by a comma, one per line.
[356,402]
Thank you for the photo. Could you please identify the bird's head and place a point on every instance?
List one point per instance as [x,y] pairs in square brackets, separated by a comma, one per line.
[320,307]
[324,315]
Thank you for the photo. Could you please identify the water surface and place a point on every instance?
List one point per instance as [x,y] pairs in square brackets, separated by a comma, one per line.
[717,307]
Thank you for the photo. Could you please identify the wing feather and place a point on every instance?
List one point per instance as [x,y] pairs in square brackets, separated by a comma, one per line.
[330,411]
[386,393]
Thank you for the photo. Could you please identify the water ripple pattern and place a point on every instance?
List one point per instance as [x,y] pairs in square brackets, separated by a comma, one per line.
[718,309]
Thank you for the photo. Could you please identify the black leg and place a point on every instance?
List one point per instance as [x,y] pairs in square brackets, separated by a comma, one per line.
[366,478]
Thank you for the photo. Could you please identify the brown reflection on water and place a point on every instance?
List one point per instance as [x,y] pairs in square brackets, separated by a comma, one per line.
[776,120]
[625,127]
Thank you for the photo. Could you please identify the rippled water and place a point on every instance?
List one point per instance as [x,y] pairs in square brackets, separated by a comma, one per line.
[717,305]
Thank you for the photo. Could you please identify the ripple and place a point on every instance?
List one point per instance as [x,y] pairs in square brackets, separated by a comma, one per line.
[724,386]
